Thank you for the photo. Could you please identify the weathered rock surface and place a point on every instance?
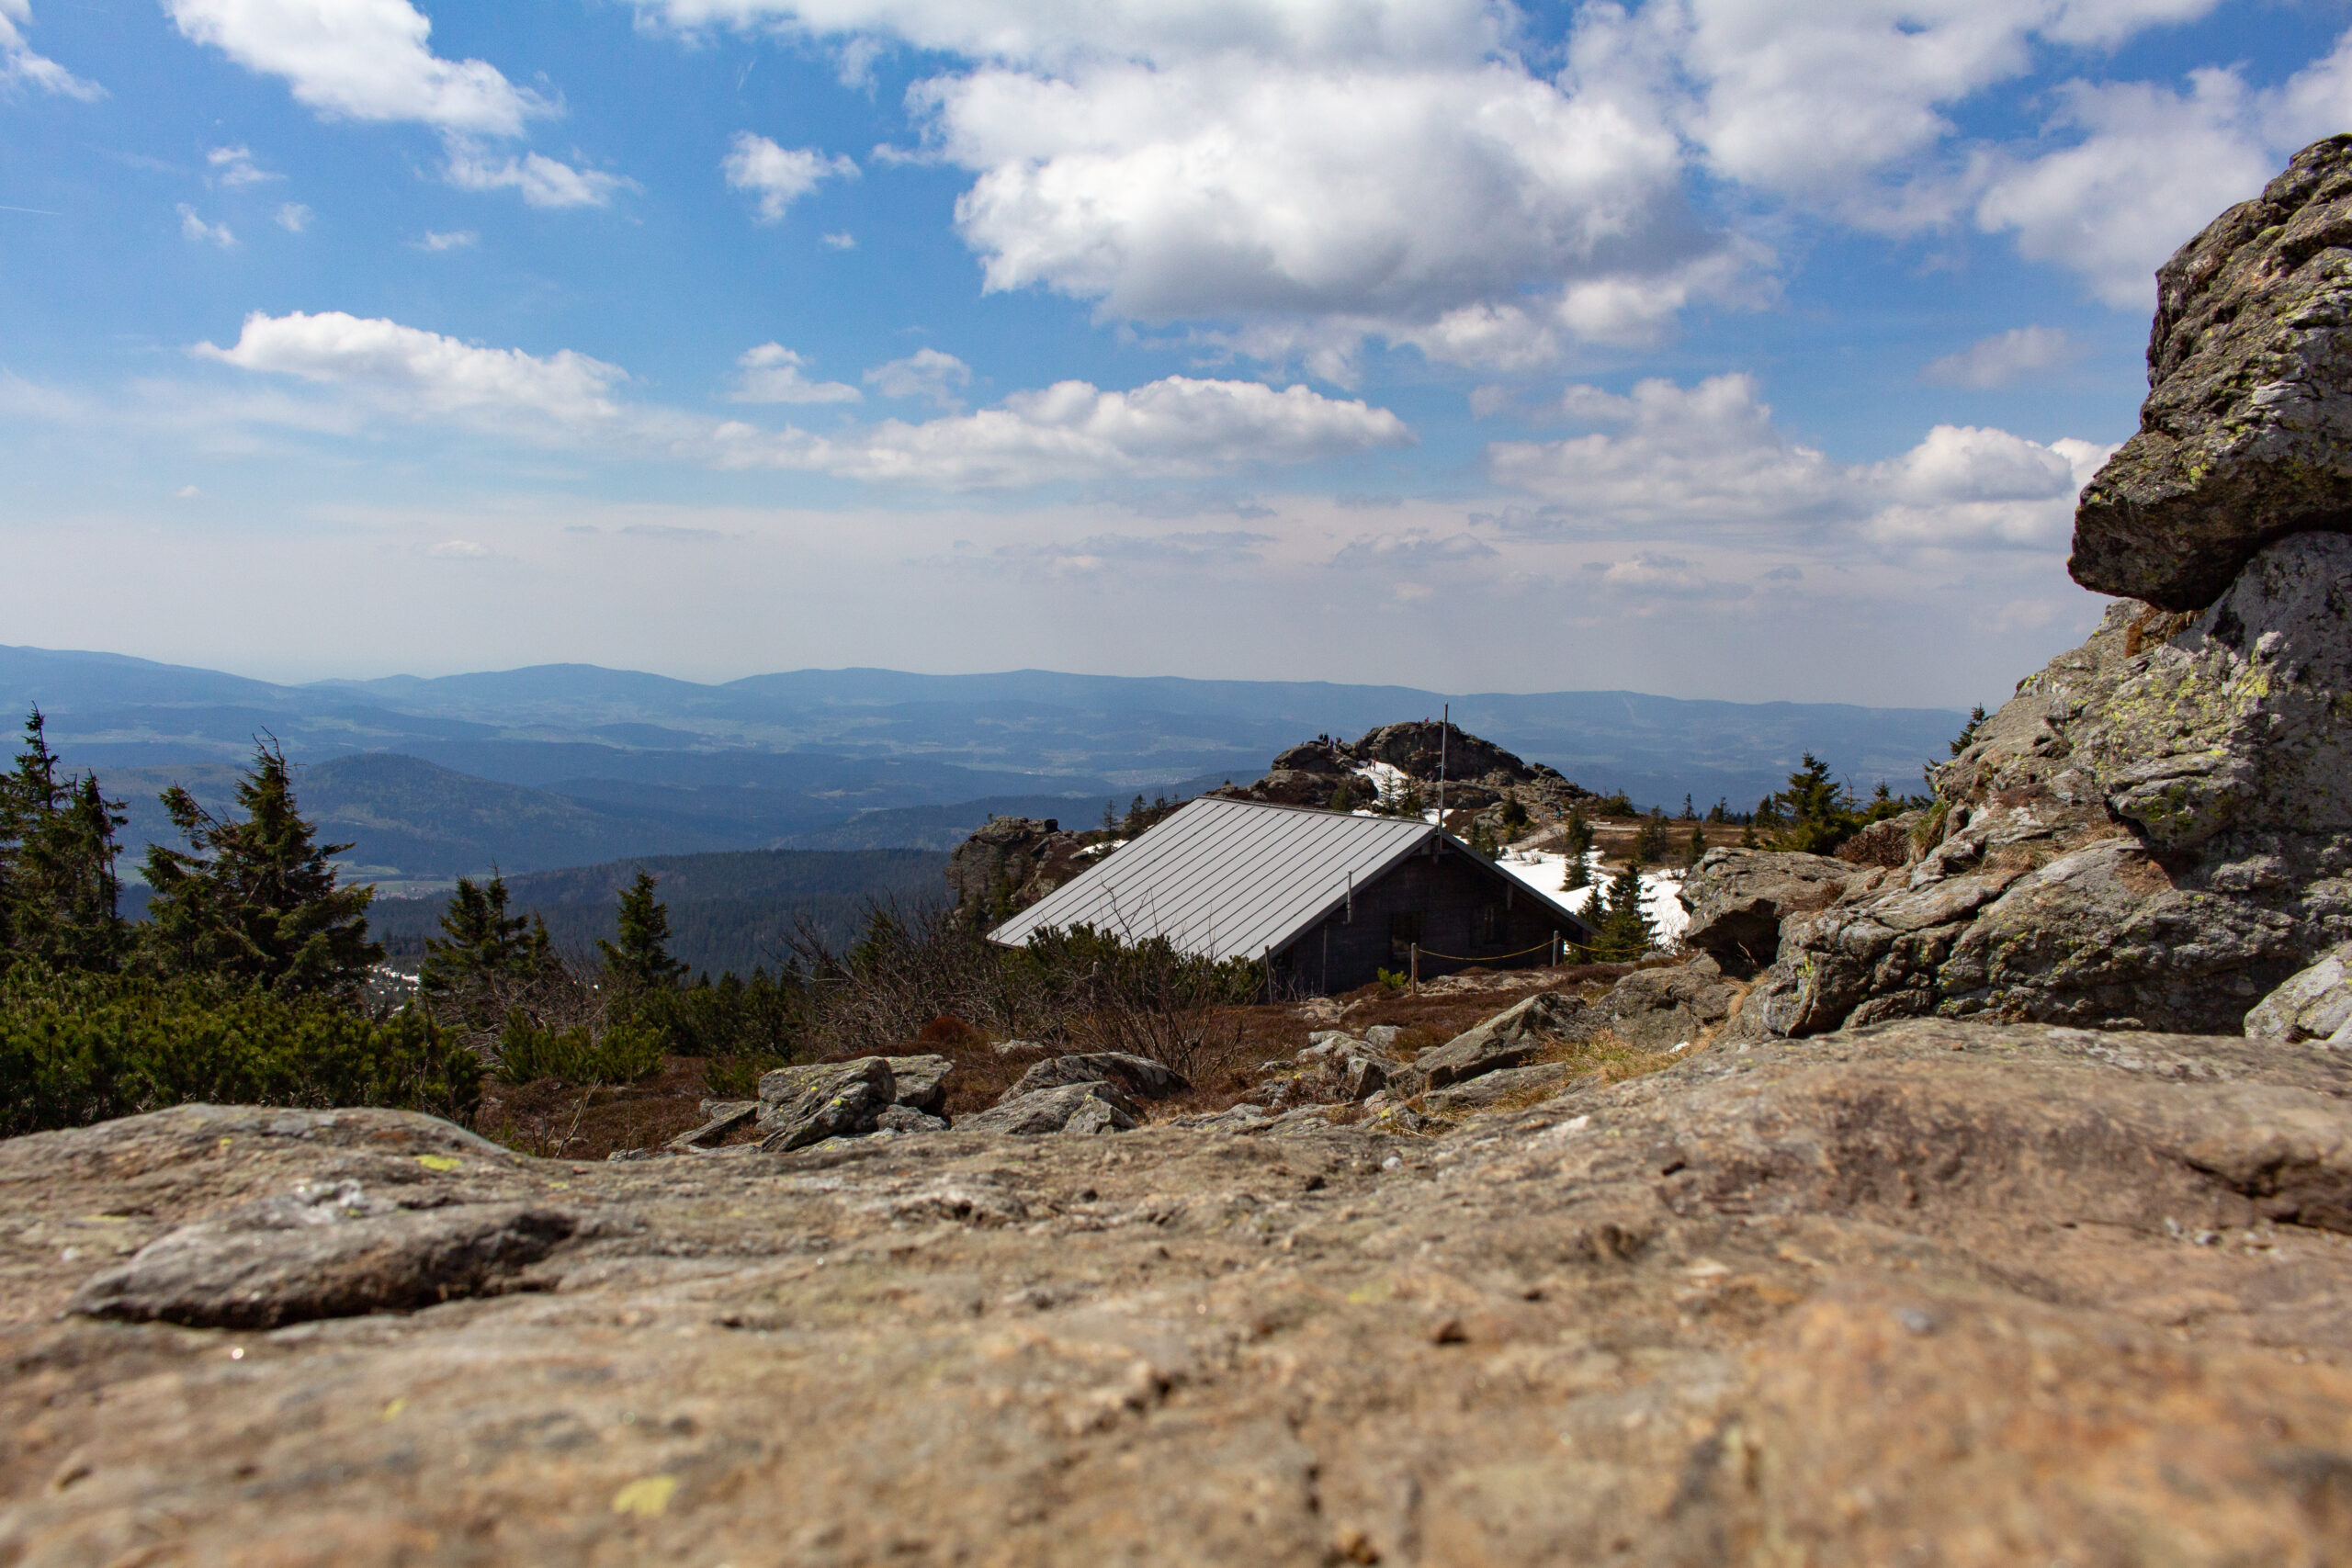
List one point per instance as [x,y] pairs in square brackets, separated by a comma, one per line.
[1512,1038]
[1959,1293]
[838,1100]
[2155,832]
[1739,899]
[1138,1075]
[2314,1005]
[1886,842]
[1659,1008]
[1513,1084]
[1087,1107]
[2247,434]
[919,1083]
[721,1117]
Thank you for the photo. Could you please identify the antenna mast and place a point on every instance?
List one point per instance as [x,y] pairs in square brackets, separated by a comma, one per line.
[1444,723]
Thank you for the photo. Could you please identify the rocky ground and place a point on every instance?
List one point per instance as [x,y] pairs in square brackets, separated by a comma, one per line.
[1931,1293]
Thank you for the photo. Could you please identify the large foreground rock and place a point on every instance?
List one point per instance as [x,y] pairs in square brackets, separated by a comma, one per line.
[2154,833]
[2246,436]
[1138,1075]
[1084,1107]
[1739,899]
[1512,1038]
[838,1100]
[1951,1293]
[2314,1005]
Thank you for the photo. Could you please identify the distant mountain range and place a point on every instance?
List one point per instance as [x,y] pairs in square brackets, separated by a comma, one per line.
[568,764]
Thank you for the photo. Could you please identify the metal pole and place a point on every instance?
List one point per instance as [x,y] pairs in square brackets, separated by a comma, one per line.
[1444,723]
[1417,969]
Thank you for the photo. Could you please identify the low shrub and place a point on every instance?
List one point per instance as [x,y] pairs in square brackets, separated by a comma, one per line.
[81,1048]
[619,1052]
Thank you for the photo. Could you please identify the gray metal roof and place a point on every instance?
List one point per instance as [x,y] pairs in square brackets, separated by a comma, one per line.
[1231,878]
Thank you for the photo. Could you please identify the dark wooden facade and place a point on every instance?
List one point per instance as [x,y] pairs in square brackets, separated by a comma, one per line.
[1460,910]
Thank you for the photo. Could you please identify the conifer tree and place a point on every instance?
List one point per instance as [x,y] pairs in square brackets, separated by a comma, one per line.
[1650,843]
[483,953]
[256,900]
[1624,932]
[1578,843]
[640,961]
[59,889]
[1696,846]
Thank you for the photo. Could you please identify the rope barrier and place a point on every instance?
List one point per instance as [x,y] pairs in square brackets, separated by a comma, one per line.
[1491,957]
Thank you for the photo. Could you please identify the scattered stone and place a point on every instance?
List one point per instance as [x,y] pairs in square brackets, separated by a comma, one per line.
[1364,1075]
[846,1101]
[325,1250]
[1886,842]
[1738,899]
[1138,1075]
[1382,1037]
[1524,1084]
[2246,436]
[1018,1048]
[1091,1107]
[1512,1038]
[907,1119]
[2315,1005]
[921,1082]
[722,1117]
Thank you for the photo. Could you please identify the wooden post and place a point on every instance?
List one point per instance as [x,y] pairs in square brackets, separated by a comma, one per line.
[1417,969]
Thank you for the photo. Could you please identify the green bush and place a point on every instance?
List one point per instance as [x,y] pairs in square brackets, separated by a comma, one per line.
[81,1048]
[624,1052]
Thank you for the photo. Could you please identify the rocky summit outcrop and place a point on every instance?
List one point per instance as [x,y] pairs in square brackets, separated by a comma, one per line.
[1479,773]
[2246,436]
[2155,832]
[1956,1293]
[1012,862]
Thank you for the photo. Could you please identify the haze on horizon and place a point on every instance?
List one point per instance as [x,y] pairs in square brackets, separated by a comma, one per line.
[1706,348]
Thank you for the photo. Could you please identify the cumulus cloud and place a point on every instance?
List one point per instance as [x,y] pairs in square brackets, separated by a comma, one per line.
[842,242]
[779,176]
[196,231]
[414,373]
[1178,426]
[2004,357]
[454,239]
[359,60]
[772,374]
[543,181]
[926,373]
[293,217]
[20,67]
[1707,461]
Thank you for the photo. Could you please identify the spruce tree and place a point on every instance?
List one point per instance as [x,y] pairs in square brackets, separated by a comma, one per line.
[59,890]
[1650,843]
[640,961]
[482,952]
[1578,843]
[1624,933]
[1696,846]
[256,900]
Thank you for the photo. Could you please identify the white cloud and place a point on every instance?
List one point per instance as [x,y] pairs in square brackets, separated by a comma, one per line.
[458,549]
[780,175]
[455,240]
[844,242]
[196,231]
[234,167]
[20,66]
[926,373]
[1707,461]
[771,374]
[543,181]
[293,217]
[2004,357]
[414,373]
[359,60]
[1173,427]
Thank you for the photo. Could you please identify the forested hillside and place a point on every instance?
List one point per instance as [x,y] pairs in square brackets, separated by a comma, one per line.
[729,913]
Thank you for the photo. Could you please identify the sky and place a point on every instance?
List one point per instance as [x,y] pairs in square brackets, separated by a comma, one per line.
[1714,348]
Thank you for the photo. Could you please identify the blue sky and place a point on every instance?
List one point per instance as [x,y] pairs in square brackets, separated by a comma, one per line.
[1715,348]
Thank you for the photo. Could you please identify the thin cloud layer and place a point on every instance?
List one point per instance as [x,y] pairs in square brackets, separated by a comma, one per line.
[773,374]
[2001,359]
[1706,461]
[1177,426]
